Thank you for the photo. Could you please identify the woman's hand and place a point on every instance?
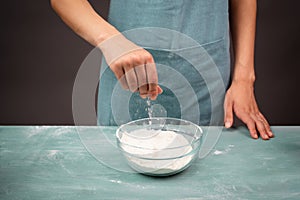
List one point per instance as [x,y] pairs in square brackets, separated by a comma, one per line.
[133,66]
[240,100]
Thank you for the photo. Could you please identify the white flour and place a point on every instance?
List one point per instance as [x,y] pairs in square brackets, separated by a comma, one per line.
[156,144]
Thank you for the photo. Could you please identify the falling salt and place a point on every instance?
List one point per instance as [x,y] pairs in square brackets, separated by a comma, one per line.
[149,109]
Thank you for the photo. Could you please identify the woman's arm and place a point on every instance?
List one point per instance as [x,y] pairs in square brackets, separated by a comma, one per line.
[243,22]
[132,65]
[240,97]
[83,20]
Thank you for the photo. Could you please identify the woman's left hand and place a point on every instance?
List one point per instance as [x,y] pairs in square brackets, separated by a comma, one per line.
[240,100]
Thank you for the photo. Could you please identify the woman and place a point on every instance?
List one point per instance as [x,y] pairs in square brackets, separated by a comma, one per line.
[205,21]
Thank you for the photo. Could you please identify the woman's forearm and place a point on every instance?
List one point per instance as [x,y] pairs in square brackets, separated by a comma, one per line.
[132,65]
[243,23]
[82,19]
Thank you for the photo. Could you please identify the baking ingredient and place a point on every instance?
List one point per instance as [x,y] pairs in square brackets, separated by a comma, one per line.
[149,109]
[157,146]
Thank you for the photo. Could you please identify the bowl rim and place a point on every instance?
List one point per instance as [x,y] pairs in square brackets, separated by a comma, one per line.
[169,148]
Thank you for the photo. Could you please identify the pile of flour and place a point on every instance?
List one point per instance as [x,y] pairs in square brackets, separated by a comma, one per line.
[156,144]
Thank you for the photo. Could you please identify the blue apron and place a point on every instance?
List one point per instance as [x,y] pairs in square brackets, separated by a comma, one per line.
[192,93]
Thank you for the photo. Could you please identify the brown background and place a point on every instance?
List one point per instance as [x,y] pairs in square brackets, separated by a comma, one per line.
[40,57]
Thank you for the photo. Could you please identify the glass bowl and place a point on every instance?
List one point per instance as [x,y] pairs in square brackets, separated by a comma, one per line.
[159,146]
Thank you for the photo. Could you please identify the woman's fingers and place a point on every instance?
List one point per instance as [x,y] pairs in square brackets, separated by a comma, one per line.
[241,99]
[142,80]
[159,90]
[136,71]
[119,72]
[152,80]
[250,124]
[125,58]
[257,125]
[228,112]
[260,126]
[267,125]
[131,77]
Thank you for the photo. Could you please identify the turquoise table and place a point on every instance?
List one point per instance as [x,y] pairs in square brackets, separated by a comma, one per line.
[50,162]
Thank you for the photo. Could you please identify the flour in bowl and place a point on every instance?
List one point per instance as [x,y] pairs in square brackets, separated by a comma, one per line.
[153,148]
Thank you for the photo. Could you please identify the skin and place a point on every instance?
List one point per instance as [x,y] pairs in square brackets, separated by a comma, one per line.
[240,98]
[83,20]
[135,69]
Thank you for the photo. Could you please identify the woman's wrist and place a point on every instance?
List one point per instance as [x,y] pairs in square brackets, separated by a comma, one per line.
[106,34]
[115,46]
[244,74]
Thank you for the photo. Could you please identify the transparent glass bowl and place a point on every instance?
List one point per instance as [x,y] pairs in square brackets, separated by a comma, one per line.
[159,146]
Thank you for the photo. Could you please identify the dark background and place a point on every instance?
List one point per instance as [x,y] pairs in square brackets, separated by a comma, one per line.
[40,57]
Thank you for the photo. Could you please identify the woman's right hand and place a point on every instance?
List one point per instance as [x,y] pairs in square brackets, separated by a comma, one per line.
[132,65]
